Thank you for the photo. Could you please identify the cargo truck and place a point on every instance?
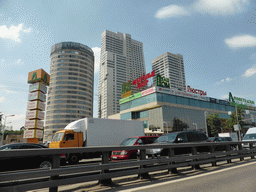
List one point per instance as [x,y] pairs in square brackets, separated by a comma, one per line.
[90,132]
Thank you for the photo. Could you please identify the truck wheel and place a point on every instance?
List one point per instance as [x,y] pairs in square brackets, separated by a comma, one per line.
[45,165]
[73,159]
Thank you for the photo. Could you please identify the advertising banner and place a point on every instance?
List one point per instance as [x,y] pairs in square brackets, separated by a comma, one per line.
[148,91]
[36,105]
[38,76]
[38,87]
[35,114]
[39,134]
[34,124]
[28,134]
[37,95]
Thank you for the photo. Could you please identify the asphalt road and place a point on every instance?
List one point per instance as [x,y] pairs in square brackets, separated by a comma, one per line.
[232,179]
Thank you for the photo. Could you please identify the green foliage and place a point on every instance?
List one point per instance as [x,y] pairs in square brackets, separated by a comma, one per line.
[215,123]
[233,119]
[179,125]
[12,132]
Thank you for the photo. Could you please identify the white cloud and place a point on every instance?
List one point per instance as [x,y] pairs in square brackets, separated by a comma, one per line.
[220,7]
[251,71]
[13,32]
[2,99]
[96,51]
[171,11]
[211,7]
[241,41]
[224,96]
[228,79]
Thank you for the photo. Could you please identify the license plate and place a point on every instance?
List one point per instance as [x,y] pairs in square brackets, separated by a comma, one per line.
[114,157]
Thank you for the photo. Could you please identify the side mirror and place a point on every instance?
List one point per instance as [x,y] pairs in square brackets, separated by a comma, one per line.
[180,140]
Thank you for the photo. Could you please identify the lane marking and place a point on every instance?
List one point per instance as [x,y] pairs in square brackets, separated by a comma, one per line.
[184,179]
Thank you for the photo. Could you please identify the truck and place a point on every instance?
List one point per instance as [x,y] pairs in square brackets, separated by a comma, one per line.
[249,136]
[89,132]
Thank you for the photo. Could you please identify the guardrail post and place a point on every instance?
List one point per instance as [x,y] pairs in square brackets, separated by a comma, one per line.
[105,160]
[212,150]
[251,146]
[171,154]
[228,149]
[240,148]
[143,157]
[194,152]
[55,164]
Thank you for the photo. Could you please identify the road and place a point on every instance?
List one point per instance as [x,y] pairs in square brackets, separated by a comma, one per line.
[238,178]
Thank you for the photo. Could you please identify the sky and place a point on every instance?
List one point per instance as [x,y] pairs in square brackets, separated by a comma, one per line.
[216,38]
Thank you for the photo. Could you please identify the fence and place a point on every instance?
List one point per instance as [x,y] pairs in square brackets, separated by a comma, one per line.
[103,172]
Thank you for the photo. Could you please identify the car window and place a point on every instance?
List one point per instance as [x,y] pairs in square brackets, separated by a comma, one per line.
[192,137]
[9,147]
[142,141]
[183,136]
[69,136]
[151,139]
[202,136]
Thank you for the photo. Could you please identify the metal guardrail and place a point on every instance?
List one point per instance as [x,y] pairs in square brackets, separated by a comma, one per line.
[57,176]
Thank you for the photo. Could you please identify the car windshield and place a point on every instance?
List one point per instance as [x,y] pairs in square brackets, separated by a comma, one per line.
[250,137]
[167,138]
[58,137]
[129,142]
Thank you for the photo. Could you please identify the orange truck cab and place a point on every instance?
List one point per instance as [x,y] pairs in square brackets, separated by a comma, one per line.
[132,154]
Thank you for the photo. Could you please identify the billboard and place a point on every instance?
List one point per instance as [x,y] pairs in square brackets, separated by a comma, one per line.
[38,76]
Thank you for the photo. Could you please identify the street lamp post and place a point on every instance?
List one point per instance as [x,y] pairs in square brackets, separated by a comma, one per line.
[195,125]
[3,127]
[206,128]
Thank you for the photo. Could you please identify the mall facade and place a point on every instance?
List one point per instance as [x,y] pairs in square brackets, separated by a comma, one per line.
[158,106]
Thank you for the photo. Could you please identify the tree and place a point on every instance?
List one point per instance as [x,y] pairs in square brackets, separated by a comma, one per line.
[215,123]
[233,119]
[179,125]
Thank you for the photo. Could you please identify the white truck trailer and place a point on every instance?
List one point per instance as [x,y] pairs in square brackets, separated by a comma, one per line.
[90,132]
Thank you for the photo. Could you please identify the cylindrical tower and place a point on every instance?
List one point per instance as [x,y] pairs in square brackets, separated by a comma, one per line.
[70,94]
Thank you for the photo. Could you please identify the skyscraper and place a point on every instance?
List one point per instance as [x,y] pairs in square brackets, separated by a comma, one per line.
[121,60]
[171,66]
[70,94]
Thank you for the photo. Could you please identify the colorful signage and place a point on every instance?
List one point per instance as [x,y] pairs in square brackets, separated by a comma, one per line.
[126,94]
[162,81]
[32,105]
[148,91]
[240,102]
[143,80]
[126,89]
[33,133]
[38,76]
[130,98]
[196,91]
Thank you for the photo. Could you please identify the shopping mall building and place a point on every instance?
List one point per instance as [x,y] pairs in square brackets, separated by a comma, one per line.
[158,106]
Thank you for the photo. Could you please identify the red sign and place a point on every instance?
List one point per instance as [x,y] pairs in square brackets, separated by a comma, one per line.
[143,80]
[196,91]
[148,91]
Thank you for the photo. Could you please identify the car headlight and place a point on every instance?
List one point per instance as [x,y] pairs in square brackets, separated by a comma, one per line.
[124,152]
[155,151]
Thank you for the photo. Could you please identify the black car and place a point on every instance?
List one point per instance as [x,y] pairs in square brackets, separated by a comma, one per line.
[23,162]
[222,139]
[179,137]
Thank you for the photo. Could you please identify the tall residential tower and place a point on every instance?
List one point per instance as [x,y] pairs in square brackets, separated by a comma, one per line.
[70,94]
[171,66]
[121,60]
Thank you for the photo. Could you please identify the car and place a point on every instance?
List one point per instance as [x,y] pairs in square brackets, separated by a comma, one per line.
[222,139]
[23,162]
[132,154]
[179,137]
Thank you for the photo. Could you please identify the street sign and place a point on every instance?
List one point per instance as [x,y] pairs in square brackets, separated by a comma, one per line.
[236,127]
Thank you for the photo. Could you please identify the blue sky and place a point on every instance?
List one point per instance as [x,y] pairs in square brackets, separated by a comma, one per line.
[216,38]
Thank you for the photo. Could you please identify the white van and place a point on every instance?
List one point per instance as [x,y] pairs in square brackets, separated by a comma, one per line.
[250,136]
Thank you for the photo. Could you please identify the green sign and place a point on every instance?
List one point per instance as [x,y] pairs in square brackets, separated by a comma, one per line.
[239,102]
[130,98]
[126,87]
[162,81]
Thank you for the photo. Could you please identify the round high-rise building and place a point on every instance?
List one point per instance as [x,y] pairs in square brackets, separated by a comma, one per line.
[70,94]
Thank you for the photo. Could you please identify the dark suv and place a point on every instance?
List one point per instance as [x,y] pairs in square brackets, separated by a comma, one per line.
[179,137]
